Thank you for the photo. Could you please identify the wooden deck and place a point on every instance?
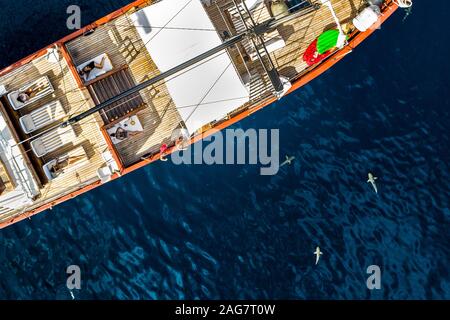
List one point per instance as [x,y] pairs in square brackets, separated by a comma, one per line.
[74,100]
[111,86]
[120,40]
[297,34]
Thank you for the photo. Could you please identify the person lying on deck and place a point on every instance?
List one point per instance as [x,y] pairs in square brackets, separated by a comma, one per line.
[61,164]
[30,93]
[122,134]
[91,66]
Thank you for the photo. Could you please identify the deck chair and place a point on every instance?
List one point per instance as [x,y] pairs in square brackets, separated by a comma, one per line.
[95,73]
[53,140]
[42,117]
[42,84]
[69,162]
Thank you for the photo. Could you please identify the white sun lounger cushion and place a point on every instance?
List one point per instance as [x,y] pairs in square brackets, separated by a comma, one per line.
[41,82]
[107,66]
[42,117]
[53,140]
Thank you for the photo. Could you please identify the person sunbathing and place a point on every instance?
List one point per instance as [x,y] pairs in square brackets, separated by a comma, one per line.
[86,70]
[122,134]
[65,162]
[30,93]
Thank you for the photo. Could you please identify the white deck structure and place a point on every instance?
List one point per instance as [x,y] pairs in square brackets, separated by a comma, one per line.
[22,178]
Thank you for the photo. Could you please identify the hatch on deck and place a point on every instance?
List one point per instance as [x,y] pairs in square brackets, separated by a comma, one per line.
[111,86]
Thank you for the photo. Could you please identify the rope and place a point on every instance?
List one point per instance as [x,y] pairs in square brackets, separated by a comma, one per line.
[404,3]
[342,38]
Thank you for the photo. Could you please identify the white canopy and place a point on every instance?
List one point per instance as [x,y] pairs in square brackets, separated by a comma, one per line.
[207,91]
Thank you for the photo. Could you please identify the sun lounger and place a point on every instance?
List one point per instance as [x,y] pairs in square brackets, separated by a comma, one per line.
[53,140]
[95,73]
[129,124]
[69,162]
[42,84]
[42,117]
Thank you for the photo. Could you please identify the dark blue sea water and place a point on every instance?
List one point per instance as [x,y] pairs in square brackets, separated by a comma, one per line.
[192,232]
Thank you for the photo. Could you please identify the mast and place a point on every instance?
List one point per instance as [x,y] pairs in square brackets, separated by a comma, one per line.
[256,30]
[269,68]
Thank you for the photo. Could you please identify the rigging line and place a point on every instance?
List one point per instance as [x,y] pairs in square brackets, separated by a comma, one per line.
[75,186]
[171,19]
[261,10]
[83,101]
[237,45]
[61,70]
[260,13]
[270,70]
[208,92]
[260,37]
[211,102]
[64,73]
[264,37]
[297,51]
[167,28]
[175,110]
[56,126]
[95,145]
[66,92]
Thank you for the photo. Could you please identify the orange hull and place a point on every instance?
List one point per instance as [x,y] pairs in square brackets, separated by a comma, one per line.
[314,72]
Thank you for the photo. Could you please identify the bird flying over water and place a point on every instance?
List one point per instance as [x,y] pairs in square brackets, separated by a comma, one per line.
[318,253]
[371,180]
[288,161]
